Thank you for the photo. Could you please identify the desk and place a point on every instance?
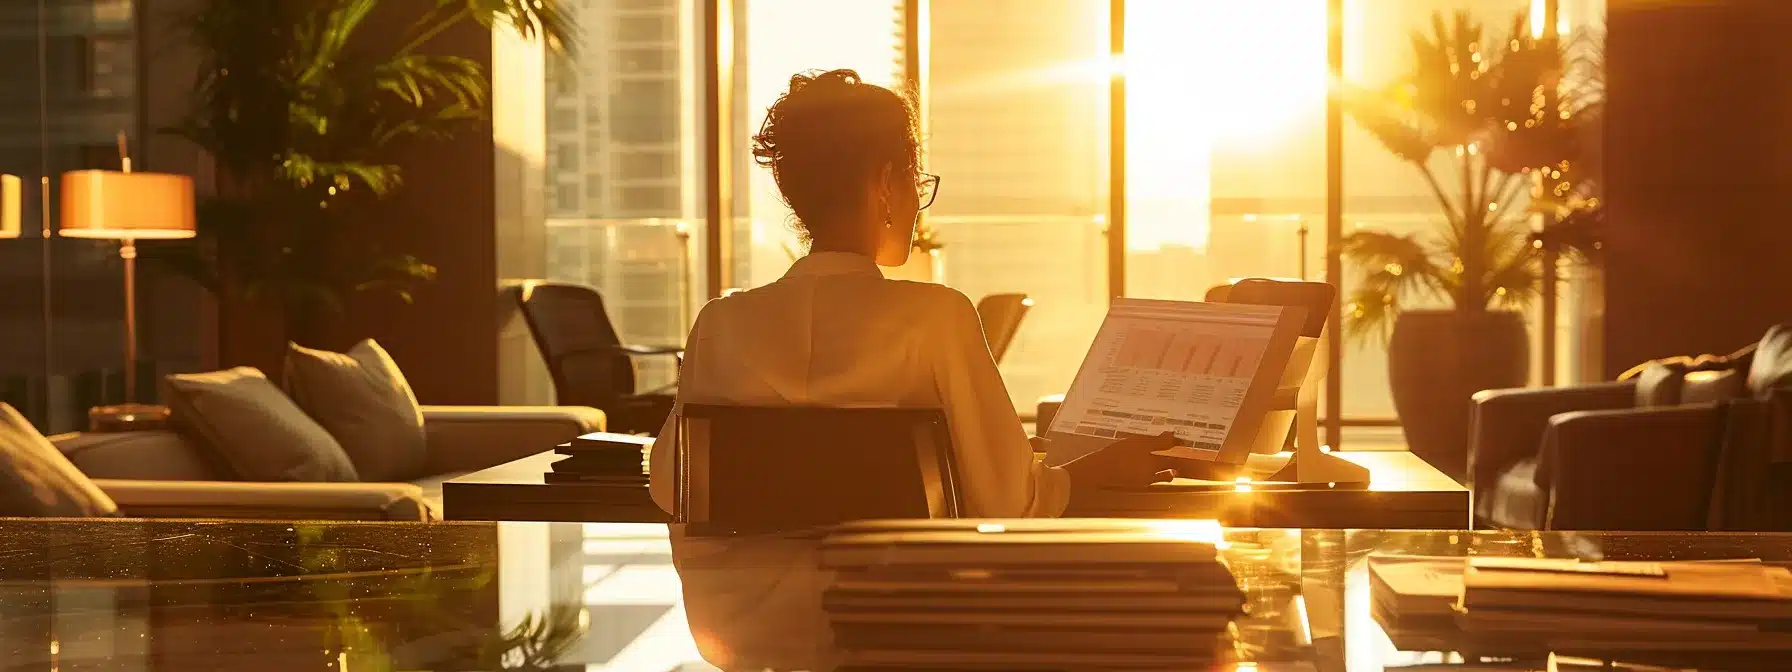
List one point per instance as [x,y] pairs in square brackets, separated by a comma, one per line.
[170,594]
[1404,492]
[515,491]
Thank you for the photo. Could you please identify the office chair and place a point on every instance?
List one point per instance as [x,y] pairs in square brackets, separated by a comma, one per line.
[769,469]
[1001,315]
[587,360]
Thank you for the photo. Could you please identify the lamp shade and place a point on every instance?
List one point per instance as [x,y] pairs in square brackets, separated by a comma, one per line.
[126,206]
[12,195]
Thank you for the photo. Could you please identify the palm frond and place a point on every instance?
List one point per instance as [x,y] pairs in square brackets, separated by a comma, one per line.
[1393,269]
[1513,279]
[299,102]
[419,79]
[546,20]
[305,172]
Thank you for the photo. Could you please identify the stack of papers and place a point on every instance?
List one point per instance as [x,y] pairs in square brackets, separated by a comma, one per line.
[1030,594]
[1414,599]
[605,460]
[1630,611]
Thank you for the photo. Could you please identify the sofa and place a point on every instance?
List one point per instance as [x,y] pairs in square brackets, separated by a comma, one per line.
[1684,443]
[167,474]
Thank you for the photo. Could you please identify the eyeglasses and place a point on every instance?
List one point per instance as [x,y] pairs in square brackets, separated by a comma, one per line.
[928,187]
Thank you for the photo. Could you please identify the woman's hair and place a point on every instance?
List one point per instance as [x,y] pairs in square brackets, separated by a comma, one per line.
[828,136]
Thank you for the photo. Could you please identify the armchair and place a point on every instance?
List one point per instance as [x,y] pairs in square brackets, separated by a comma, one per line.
[1660,450]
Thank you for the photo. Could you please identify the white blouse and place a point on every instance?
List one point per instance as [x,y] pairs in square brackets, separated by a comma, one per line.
[833,331]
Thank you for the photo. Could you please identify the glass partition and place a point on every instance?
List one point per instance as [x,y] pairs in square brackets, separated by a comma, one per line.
[72,67]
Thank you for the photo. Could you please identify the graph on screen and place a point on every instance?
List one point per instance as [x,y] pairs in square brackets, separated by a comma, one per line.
[1161,366]
[1189,353]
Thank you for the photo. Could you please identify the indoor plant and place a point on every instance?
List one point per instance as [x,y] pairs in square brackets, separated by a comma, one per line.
[1484,124]
[301,106]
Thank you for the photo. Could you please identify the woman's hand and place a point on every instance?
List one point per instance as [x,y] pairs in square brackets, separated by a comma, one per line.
[1128,462]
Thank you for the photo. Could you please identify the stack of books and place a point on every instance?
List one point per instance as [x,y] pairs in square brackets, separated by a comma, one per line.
[608,460]
[1646,612]
[1414,599]
[1025,594]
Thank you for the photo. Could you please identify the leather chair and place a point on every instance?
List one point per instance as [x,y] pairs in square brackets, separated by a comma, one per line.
[1664,448]
[771,469]
[1001,315]
[587,360]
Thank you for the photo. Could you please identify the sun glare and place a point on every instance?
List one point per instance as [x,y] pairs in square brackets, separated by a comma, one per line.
[1207,75]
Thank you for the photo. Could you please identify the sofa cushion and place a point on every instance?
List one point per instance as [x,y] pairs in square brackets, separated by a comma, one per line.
[361,398]
[254,428]
[1714,385]
[160,455]
[36,480]
[1772,365]
[1659,383]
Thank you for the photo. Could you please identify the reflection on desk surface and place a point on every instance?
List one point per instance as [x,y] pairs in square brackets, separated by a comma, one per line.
[170,595]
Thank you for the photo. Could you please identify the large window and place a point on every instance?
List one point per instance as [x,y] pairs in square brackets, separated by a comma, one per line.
[1225,174]
[1229,153]
[1017,128]
[632,233]
[776,39]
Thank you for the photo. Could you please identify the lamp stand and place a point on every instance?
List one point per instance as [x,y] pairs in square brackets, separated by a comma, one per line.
[128,416]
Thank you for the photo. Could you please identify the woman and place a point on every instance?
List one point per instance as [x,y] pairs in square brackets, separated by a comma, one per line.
[833,331]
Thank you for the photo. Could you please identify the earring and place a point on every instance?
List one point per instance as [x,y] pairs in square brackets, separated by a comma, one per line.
[887,222]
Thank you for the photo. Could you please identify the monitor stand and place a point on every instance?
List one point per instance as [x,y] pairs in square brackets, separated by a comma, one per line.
[1308,465]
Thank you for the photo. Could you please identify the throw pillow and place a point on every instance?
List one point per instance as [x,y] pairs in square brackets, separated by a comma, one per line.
[361,398]
[36,480]
[1772,366]
[254,428]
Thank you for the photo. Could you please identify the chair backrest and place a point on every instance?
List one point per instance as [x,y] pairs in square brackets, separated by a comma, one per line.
[1306,366]
[1316,297]
[578,342]
[1001,315]
[759,469]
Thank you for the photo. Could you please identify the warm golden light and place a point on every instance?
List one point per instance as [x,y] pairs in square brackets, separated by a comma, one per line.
[1201,76]
[126,206]
[12,193]
[1206,531]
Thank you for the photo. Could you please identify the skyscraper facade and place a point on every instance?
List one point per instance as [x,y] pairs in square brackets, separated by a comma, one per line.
[621,165]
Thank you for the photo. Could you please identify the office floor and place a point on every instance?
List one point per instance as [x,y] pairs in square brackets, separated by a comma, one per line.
[633,603]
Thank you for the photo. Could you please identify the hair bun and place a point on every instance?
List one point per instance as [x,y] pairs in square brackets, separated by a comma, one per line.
[843,79]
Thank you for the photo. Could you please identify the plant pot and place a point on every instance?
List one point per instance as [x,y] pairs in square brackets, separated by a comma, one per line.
[927,266]
[1437,361]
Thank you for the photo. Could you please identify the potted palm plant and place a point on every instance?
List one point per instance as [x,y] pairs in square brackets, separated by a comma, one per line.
[1483,124]
[302,107]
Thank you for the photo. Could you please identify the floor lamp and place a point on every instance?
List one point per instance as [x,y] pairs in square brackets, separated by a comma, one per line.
[127,207]
[12,194]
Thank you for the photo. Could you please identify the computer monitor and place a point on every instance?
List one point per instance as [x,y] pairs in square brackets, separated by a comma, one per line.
[1209,372]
